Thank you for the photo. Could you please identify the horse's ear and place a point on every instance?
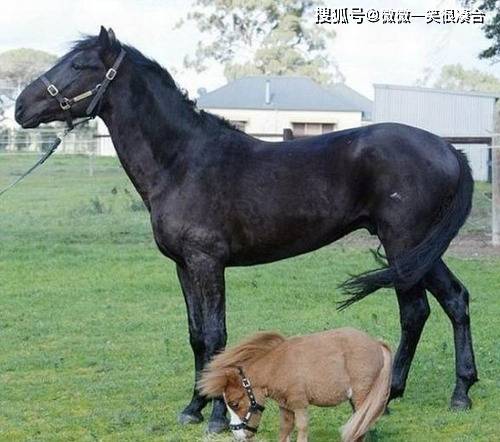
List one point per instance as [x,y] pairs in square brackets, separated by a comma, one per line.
[103,38]
[107,39]
[112,38]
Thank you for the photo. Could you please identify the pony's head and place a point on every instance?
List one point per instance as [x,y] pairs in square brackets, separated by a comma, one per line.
[243,400]
[226,376]
[80,70]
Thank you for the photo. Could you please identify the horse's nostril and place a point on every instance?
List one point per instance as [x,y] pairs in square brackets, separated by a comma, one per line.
[19,111]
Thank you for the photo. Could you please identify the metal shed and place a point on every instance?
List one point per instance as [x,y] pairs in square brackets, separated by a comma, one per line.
[444,112]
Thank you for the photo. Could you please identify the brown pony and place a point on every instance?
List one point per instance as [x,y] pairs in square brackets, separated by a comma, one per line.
[322,369]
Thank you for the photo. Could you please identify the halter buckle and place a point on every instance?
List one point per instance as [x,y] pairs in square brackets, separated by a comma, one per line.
[65,104]
[52,90]
[111,74]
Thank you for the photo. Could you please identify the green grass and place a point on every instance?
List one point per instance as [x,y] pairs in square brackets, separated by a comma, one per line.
[93,332]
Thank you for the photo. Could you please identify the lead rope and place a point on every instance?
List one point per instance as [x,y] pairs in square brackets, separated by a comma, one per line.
[46,155]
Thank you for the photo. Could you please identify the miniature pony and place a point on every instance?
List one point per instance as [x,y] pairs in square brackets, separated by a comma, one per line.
[322,369]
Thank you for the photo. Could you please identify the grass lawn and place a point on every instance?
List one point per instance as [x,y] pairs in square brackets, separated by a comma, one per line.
[93,332]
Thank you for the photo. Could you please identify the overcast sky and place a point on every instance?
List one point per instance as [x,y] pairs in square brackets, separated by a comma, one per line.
[366,53]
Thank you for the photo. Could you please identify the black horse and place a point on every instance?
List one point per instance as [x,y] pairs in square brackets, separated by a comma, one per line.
[218,198]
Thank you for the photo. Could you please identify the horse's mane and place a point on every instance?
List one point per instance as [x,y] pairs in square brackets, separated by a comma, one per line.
[143,62]
[215,375]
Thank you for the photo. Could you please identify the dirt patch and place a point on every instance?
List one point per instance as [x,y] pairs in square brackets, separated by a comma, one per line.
[468,245]
[473,246]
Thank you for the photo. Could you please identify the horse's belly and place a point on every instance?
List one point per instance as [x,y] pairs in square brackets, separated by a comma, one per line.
[272,243]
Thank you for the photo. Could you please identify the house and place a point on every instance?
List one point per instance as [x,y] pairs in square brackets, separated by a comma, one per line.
[263,106]
[447,113]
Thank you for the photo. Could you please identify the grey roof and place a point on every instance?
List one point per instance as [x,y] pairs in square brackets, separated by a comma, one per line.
[437,90]
[357,100]
[286,93]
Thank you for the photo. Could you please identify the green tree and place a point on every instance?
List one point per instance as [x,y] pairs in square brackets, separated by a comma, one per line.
[18,67]
[491,28]
[262,37]
[454,76]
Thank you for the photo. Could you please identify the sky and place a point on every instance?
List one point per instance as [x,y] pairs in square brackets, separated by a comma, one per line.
[366,53]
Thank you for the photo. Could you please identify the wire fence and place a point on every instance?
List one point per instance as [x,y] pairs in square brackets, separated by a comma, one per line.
[86,142]
[82,141]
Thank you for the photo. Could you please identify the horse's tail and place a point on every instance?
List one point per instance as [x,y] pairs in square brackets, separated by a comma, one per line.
[374,404]
[408,269]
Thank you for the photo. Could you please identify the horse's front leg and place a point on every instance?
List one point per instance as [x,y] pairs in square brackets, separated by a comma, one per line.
[202,282]
[287,419]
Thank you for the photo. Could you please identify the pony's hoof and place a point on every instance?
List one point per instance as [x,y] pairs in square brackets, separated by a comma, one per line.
[190,418]
[218,426]
[461,404]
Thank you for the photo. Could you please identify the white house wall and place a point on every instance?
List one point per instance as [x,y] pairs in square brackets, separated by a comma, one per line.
[266,124]
[269,124]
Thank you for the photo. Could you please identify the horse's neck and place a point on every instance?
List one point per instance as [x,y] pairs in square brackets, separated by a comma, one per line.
[145,135]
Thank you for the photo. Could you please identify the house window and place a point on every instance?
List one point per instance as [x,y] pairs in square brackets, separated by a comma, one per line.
[309,129]
[299,129]
[327,127]
[238,124]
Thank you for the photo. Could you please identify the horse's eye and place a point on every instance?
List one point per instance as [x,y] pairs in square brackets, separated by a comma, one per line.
[77,66]
[233,404]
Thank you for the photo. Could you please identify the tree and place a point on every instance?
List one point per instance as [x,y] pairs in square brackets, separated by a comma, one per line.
[491,28]
[18,67]
[265,37]
[454,76]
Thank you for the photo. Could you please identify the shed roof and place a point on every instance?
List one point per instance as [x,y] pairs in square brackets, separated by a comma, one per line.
[437,90]
[285,93]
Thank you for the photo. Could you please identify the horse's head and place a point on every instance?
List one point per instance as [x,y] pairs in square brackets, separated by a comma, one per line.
[79,71]
[243,400]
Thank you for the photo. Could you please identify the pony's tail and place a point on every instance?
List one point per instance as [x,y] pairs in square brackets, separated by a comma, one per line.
[374,404]
[408,269]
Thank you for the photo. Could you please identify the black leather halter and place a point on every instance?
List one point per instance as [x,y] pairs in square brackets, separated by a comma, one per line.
[254,406]
[66,103]
[97,92]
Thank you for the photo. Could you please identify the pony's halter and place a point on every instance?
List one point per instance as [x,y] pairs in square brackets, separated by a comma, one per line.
[97,92]
[254,406]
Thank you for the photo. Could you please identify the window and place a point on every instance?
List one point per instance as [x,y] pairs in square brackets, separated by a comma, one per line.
[327,127]
[309,129]
[238,124]
[299,129]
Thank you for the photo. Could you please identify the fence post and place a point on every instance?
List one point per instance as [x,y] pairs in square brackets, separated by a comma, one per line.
[495,182]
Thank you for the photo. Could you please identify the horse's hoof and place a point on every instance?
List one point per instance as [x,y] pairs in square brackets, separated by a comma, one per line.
[218,426]
[461,404]
[190,418]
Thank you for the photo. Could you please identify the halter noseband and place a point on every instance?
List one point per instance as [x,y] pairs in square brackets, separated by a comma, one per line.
[97,92]
[254,406]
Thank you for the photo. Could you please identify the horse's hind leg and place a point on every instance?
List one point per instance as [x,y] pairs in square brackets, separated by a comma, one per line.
[413,311]
[454,299]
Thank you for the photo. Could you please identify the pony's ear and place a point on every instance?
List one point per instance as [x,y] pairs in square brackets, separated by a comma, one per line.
[107,39]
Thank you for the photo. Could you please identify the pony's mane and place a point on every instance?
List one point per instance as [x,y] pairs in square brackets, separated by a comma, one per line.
[215,375]
[143,62]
